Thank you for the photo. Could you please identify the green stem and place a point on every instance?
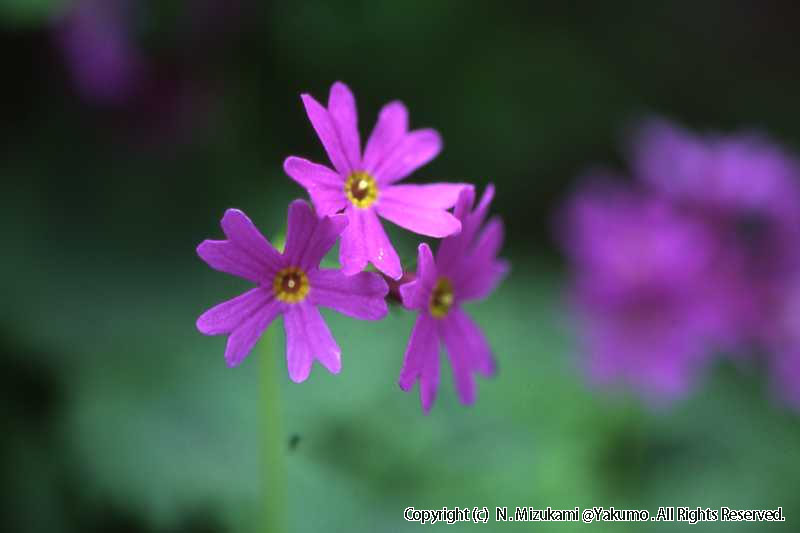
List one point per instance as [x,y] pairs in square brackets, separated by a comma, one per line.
[273,437]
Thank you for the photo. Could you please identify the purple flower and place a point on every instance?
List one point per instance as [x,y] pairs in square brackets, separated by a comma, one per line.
[640,269]
[289,284]
[106,65]
[364,185]
[466,268]
[730,173]
[746,191]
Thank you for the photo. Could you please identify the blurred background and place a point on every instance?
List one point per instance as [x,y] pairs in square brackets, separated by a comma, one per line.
[130,126]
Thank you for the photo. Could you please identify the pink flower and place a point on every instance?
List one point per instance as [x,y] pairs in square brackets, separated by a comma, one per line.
[289,284]
[466,268]
[364,185]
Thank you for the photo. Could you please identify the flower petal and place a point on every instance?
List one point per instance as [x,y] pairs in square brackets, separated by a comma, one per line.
[451,249]
[414,150]
[353,254]
[483,281]
[247,333]
[429,380]
[246,253]
[462,257]
[474,220]
[477,349]
[307,338]
[364,238]
[390,129]
[359,296]
[300,227]
[322,239]
[342,109]
[478,275]
[326,131]
[458,351]
[308,238]
[225,317]
[435,195]
[422,360]
[488,244]
[325,186]
[241,230]
[227,257]
[421,208]
[416,294]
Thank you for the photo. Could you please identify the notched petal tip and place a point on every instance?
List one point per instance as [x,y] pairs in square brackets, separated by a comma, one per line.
[202,326]
[312,106]
[351,267]
[339,222]
[234,212]
[467,401]
[407,378]
[464,186]
[341,86]
[464,202]
[299,203]
[395,275]
[408,292]
[383,291]
[381,312]
[289,163]
[233,220]
[486,198]
[298,378]
[426,406]
[424,258]
[334,365]
[432,135]
[204,247]
[396,109]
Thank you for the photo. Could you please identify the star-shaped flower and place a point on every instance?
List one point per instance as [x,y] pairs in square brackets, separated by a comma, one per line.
[365,185]
[289,284]
[466,268]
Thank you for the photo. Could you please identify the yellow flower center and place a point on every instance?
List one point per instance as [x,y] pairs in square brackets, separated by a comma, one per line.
[291,285]
[441,298]
[361,189]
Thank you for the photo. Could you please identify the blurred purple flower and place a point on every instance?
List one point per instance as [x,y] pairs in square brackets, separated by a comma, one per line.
[289,284]
[466,268]
[363,185]
[746,191]
[640,269]
[105,63]
[703,257]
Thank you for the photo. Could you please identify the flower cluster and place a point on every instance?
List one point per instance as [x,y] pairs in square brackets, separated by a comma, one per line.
[697,257]
[348,200]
